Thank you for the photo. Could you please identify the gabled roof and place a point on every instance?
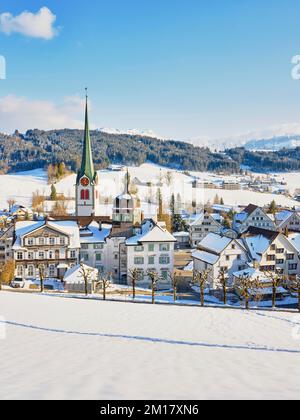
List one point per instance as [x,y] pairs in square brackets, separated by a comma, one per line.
[284,216]
[199,218]
[67,228]
[214,243]
[250,209]
[151,232]
[92,234]
[206,257]
[255,231]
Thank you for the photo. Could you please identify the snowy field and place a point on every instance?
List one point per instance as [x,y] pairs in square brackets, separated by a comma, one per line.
[21,186]
[68,348]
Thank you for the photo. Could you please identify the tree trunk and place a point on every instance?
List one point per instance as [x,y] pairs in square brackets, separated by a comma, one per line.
[274,296]
[202,295]
[42,285]
[225,295]
[104,292]
[299,299]
[175,293]
[86,288]
[153,295]
[133,289]
[247,301]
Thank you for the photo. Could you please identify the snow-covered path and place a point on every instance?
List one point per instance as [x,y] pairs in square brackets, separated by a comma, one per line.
[65,348]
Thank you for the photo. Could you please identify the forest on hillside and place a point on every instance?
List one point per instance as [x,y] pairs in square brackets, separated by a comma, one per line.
[37,148]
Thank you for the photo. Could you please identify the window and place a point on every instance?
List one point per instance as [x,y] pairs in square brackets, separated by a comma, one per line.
[280,261]
[271,257]
[164,259]
[139,248]
[151,261]
[30,241]
[233,246]
[165,275]
[227,258]
[41,255]
[41,241]
[293,267]
[20,270]
[20,256]
[290,257]
[273,247]
[164,247]
[98,257]
[51,255]
[84,246]
[52,241]
[31,270]
[151,247]
[52,271]
[239,257]
[98,246]
[73,254]
[280,251]
[84,257]
[30,255]
[85,195]
[138,260]
[62,241]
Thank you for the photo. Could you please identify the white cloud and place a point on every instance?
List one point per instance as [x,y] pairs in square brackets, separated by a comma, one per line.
[33,25]
[23,114]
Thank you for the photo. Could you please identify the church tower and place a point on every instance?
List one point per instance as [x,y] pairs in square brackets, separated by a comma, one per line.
[87,195]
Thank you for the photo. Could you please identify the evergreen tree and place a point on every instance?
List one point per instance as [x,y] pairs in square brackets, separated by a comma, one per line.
[53,195]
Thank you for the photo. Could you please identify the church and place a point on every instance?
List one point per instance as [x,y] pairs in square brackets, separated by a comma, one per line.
[114,245]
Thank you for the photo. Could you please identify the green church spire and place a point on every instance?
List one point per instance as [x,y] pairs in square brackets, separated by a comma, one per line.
[87,164]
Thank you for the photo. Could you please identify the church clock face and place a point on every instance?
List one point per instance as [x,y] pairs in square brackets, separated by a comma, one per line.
[85,182]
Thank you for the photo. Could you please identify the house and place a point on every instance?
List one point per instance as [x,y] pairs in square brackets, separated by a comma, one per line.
[288,220]
[21,212]
[152,248]
[254,216]
[216,253]
[74,278]
[272,251]
[6,241]
[202,225]
[93,245]
[52,246]
[183,240]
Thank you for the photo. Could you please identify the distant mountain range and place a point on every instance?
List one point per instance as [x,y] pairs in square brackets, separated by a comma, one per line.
[38,148]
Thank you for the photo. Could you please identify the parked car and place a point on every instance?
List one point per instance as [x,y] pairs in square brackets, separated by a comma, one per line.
[18,283]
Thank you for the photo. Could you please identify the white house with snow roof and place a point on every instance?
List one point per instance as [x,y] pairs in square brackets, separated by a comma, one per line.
[272,251]
[152,248]
[252,216]
[216,253]
[52,246]
[201,225]
[288,220]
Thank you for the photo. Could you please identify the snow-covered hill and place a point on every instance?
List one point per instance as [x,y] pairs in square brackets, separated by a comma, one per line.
[56,348]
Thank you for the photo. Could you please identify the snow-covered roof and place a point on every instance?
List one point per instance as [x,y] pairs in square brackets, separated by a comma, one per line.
[257,245]
[74,274]
[284,216]
[295,240]
[206,257]
[91,234]
[197,219]
[151,232]
[68,228]
[215,243]
[181,234]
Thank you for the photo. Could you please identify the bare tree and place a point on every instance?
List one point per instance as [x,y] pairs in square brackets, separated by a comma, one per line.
[87,275]
[134,276]
[201,279]
[104,282]
[11,202]
[223,281]
[154,278]
[276,279]
[42,277]
[246,287]
[175,281]
[293,284]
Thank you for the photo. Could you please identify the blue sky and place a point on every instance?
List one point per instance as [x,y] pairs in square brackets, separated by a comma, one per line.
[193,68]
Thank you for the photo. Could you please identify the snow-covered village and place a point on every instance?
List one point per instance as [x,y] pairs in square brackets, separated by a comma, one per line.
[149,269]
